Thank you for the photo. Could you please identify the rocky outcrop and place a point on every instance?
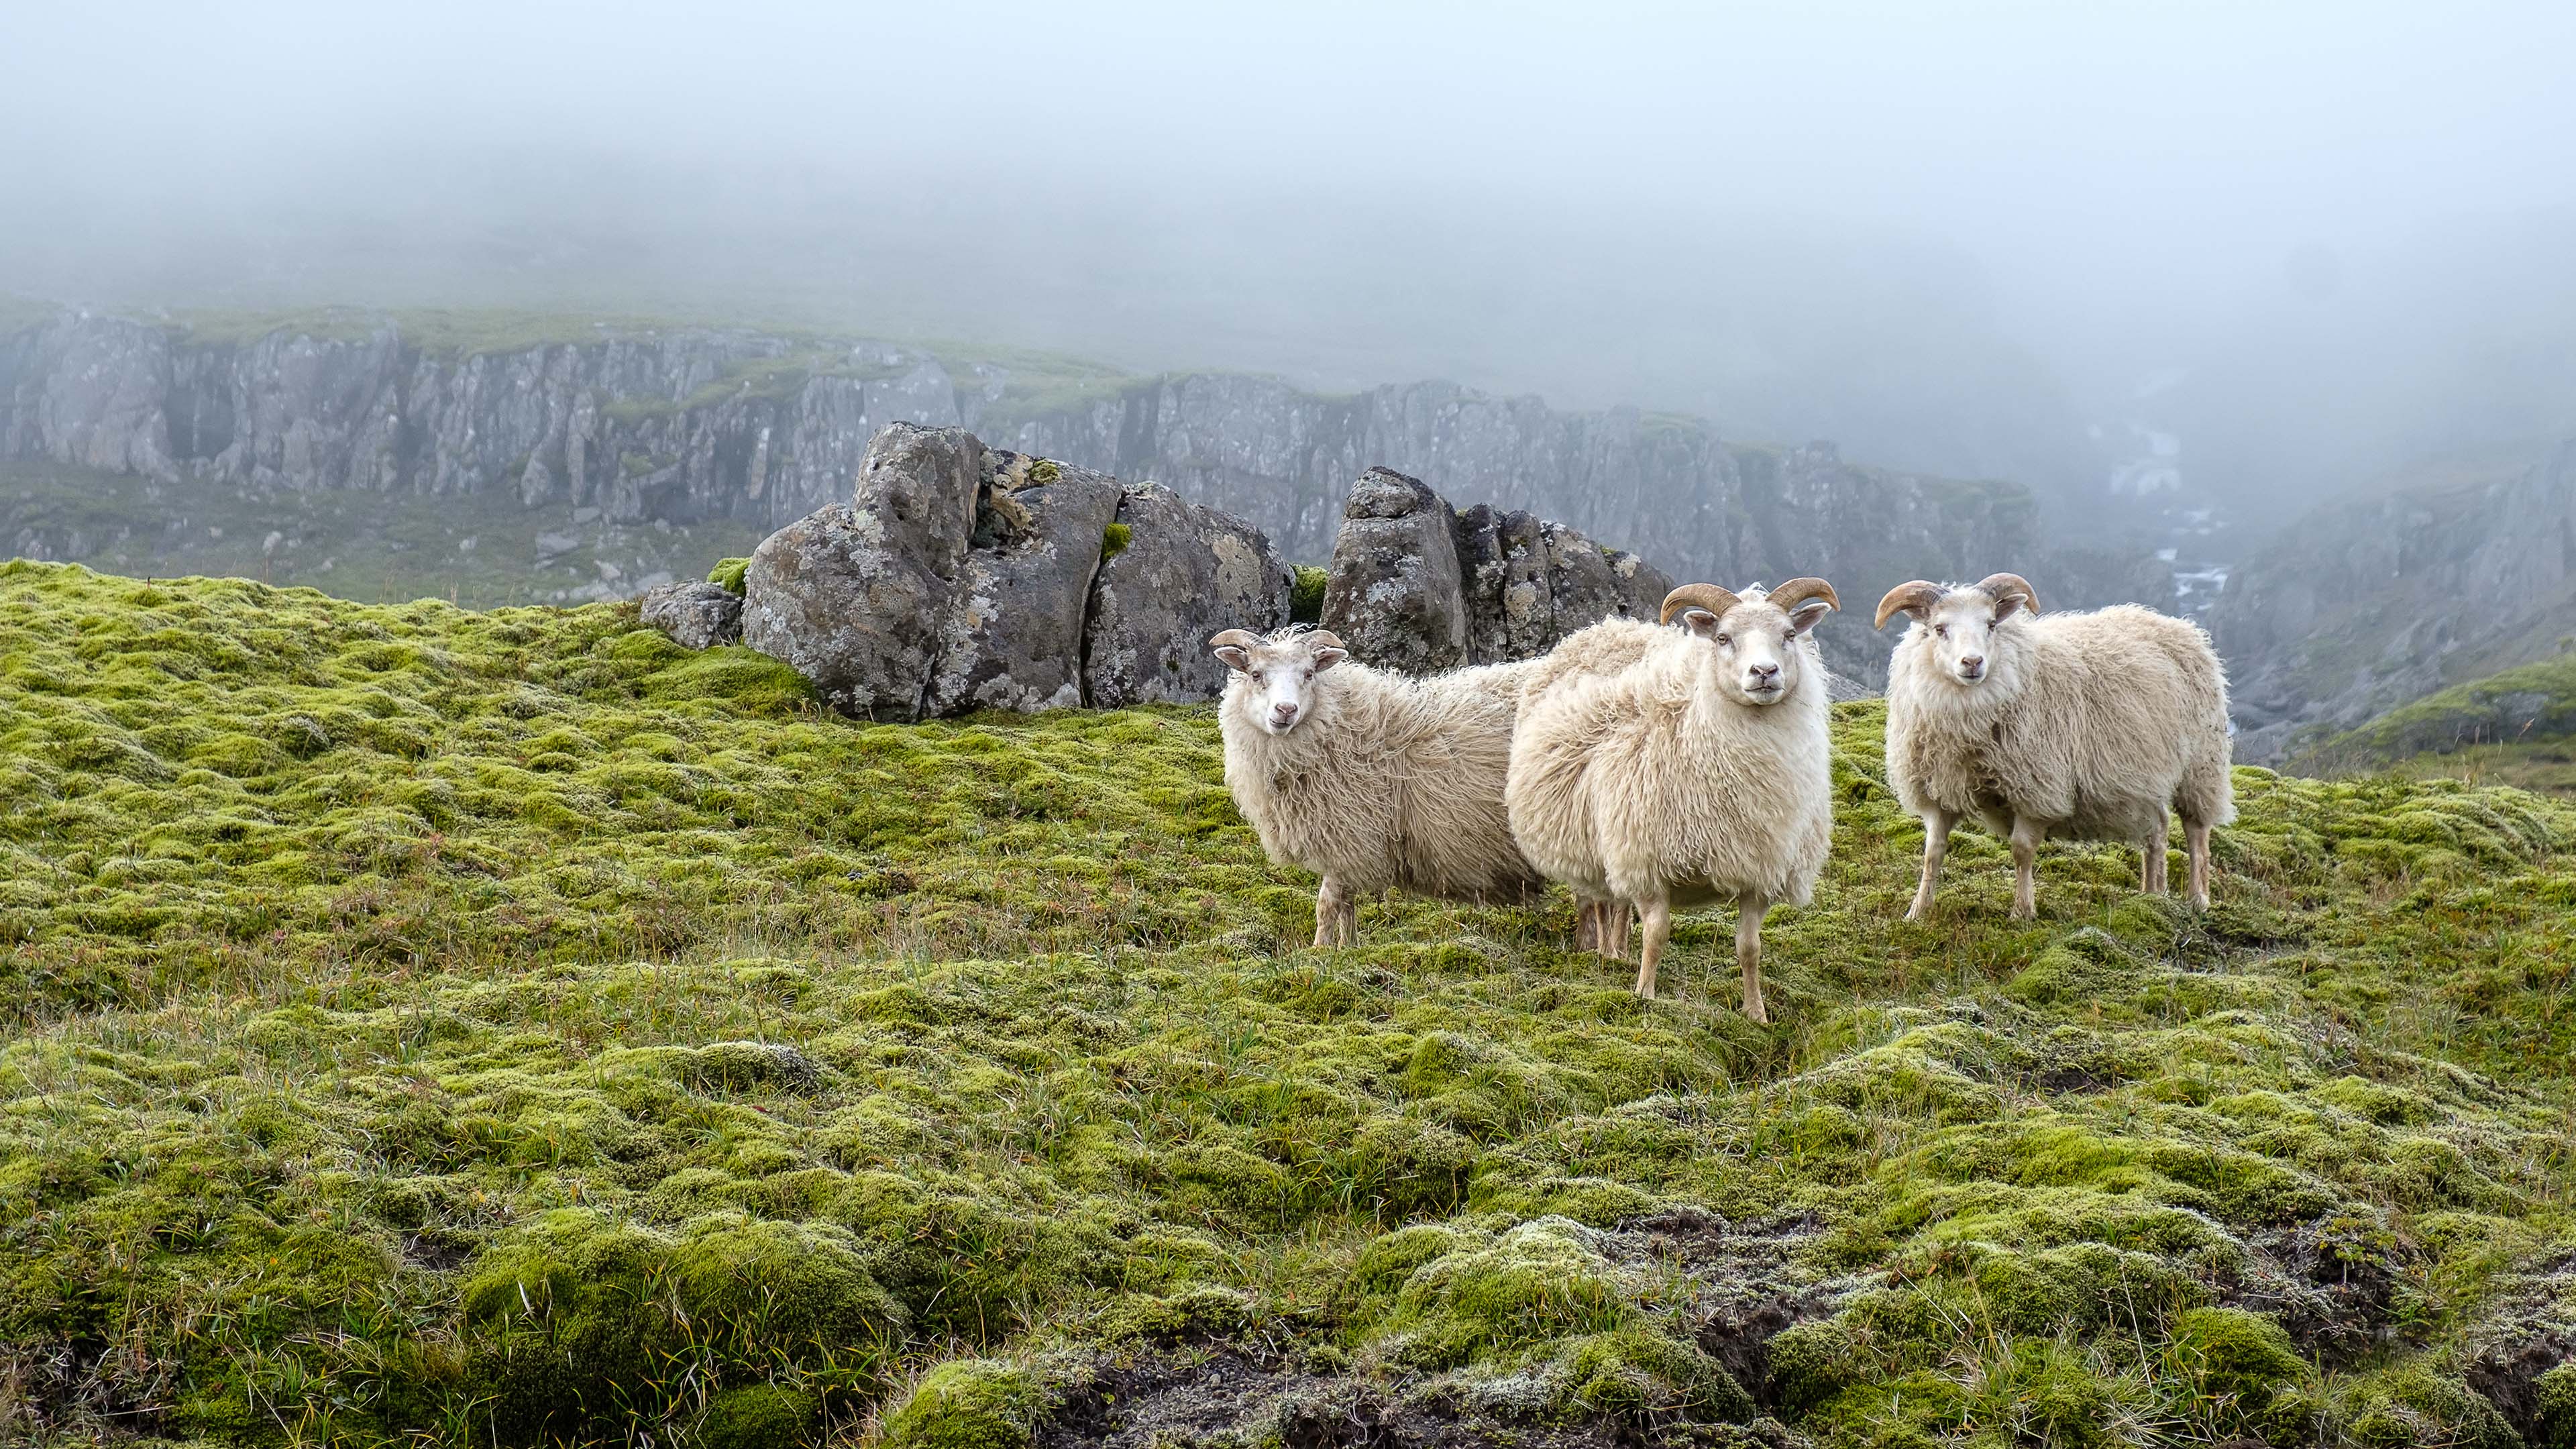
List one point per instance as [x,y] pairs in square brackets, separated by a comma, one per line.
[697,615]
[961,578]
[679,426]
[2363,605]
[1417,586]
[1175,574]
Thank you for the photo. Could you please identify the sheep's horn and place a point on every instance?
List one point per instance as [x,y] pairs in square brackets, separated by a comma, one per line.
[1699,596]
[1325,638]
[1798,591]
[1237,638]
[2000,587]
[1906,598]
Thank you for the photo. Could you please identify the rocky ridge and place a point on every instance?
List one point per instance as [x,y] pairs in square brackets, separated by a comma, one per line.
[682,425]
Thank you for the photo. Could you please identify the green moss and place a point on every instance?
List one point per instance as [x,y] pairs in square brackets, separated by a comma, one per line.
[759,1416]
[1306,594]
[1113,541]
[727,574]
[515,1016]
[2238,1356]
[968,1404]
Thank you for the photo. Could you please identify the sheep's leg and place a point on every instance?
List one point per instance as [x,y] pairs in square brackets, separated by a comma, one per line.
[1748,951]
[1936,844]
[1330,898]
[2151,859]
[2197,833]
[1350,923]
[2026,834]
[1614,930]
[1658,914]
[1587,926]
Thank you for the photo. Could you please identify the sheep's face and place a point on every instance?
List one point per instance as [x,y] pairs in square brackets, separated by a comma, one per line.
[1961,626]
[1757,644]
[1274,678]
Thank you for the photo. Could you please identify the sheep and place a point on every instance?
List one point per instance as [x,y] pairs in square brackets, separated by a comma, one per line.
[1699,772]
[1368,778]
[2085,726]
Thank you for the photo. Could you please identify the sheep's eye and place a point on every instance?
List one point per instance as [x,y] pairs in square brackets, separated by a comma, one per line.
[1310,674]
[1941,629]
[1786,635]
[1724,639]
[1259,677]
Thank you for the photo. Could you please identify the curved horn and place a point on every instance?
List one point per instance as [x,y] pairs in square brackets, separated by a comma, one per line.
[1798,591]
[1324,638]
[1699,596]
[1907,598]
[1235,638]
[2004,586]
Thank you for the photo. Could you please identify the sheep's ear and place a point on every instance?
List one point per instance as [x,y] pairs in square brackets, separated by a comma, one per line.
[1234,647]
[1700,622]
[1807,615]
[1327,657]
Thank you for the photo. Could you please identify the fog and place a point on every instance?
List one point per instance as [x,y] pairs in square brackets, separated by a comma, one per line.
[2311,244]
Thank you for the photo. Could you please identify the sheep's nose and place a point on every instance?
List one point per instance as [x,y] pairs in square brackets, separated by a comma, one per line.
[1765,671]
[1972,662]
[1283,713]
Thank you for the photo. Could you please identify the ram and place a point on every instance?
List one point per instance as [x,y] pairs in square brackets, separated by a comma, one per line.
[1371,779]
[2086,726]
[1701,772]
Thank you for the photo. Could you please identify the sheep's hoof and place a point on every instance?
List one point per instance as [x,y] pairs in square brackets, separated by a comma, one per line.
[1917,911]
[2025,913]
[1753,1012]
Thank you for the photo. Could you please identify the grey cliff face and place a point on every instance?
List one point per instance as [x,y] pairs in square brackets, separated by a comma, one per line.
[2363,605]
[679,426]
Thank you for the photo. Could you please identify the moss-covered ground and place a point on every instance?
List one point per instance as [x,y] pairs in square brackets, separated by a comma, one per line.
[439,1027]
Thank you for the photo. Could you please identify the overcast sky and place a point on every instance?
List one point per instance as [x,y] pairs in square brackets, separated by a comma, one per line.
[1867,217]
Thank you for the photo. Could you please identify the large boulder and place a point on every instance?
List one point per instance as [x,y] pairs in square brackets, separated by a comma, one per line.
[695,613]
[1013,637]
[1418,587]
[1393,592]
[1176,575]
[858,596]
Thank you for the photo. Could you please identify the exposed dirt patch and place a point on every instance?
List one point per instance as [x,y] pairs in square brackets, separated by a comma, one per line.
[2332,1282]
[2530,1329]
[1746,1286]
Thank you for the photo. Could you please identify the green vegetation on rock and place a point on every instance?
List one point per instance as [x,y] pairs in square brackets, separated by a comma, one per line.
[1306,594]
[430,1026]
[2511,728]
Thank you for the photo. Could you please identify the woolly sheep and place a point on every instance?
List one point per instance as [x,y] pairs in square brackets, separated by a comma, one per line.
[1368,778]
[1703,771]
[2084,726]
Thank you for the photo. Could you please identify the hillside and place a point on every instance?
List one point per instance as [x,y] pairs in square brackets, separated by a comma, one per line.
[2367,603]
[430,1026]
[2512,728]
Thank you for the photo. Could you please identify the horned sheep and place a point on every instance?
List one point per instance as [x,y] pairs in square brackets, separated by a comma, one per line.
[2086,726]
[1702,771]
[1369,778]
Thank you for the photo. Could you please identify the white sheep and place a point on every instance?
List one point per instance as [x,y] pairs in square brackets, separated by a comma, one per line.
[1703,771]
[1371,779]
[2084,726]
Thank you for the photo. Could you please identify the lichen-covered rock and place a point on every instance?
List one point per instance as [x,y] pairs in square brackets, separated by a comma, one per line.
[1493,585]
[695,613]
[1394,593]
[858,597]
[1013,636]
[1183,573]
